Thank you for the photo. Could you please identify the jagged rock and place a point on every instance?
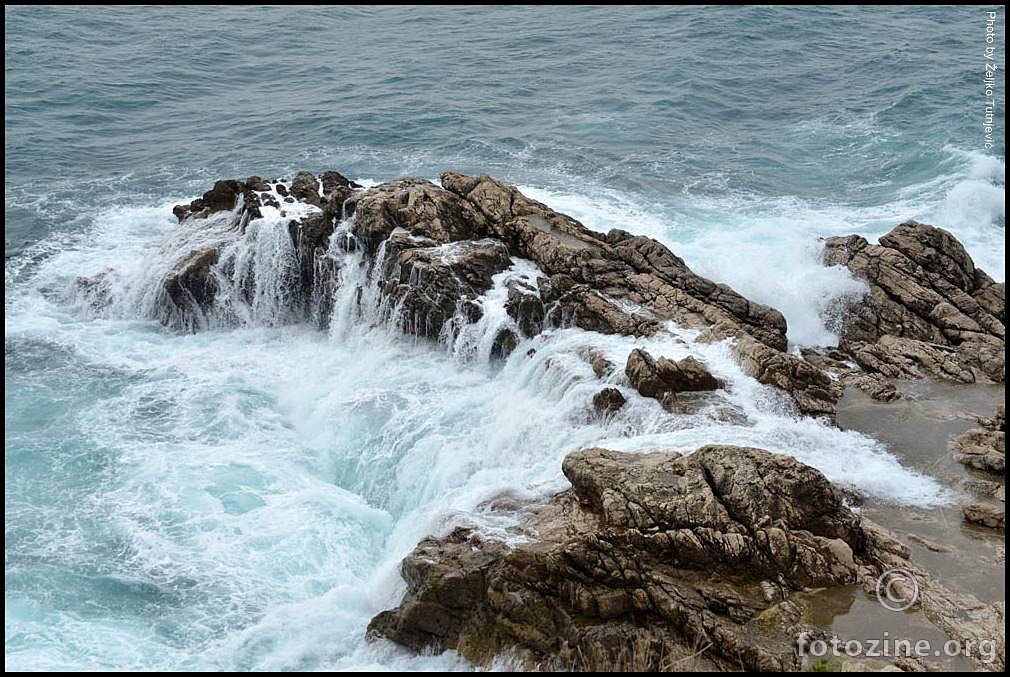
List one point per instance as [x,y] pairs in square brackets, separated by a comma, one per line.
[525,307]
[686,375]
[928,307]
[662,379]
[602,367]
[614,283]
[192,286]
[257,183]
[305,188]
[669,548]
[428,281]
[608,402]
[418,206]
[224,196]
[620,283]
[569,303]
[984,515]
[874,385]
[504,343]
[812,389]
[643,373]
[984,448]
[637,270]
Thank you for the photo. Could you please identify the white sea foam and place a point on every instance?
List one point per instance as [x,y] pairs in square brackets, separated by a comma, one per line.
[264,481]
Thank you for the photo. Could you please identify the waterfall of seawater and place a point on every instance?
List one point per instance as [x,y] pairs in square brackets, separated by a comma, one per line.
[259,481]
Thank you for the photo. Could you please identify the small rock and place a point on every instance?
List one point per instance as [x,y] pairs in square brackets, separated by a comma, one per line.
[608,402]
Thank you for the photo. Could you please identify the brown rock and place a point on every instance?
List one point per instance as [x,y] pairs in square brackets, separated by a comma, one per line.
[941,314]
[666,549]
[608,402]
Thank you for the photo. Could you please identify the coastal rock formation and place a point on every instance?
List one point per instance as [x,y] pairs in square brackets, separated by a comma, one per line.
[428,281]
[984,449]
[929,310]
[697,554]
[662,379]
[436,249]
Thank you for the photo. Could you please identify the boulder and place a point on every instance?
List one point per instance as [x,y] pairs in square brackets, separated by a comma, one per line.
[428,283]
[687,375]
[417,206]
[608,402]
[984,448]
[191,287]
[525,307]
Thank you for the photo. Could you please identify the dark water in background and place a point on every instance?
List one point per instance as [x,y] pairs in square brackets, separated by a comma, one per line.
[840,105]
[171,502]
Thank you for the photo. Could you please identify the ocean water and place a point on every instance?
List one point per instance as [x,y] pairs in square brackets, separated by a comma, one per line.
[240,498]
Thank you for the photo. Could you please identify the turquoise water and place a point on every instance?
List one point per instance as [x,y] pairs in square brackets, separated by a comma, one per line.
[241,498]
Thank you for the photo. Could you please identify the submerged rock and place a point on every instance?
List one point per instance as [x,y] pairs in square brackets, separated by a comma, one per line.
[929,310]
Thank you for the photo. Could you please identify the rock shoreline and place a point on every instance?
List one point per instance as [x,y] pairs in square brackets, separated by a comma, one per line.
[661,557]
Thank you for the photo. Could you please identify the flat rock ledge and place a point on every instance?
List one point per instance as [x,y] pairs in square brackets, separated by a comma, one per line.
[657,561]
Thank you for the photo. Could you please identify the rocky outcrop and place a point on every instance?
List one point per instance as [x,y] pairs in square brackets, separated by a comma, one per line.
[191,286]
[984,449]
[812,389]
[699,554]
[929,310]
[427,282]
[662,379]
[436,248]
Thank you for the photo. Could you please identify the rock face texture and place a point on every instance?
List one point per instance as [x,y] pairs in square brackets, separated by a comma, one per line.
[662,379]
[694,552]
[929,309]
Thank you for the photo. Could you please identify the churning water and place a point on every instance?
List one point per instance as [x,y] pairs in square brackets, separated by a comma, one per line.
[241,497]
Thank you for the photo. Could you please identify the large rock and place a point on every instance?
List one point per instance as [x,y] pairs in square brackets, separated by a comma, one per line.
[625,268]
[929,309]
[419,207]
[984,448]
[191,287]
[687,552]
[613,283]
[428,283]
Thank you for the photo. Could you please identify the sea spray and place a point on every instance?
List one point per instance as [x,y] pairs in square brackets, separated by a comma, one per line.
[280,473]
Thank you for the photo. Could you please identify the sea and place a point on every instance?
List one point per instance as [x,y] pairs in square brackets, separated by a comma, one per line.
[240,498]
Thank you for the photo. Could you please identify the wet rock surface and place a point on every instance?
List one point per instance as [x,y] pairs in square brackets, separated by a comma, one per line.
[437,246]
